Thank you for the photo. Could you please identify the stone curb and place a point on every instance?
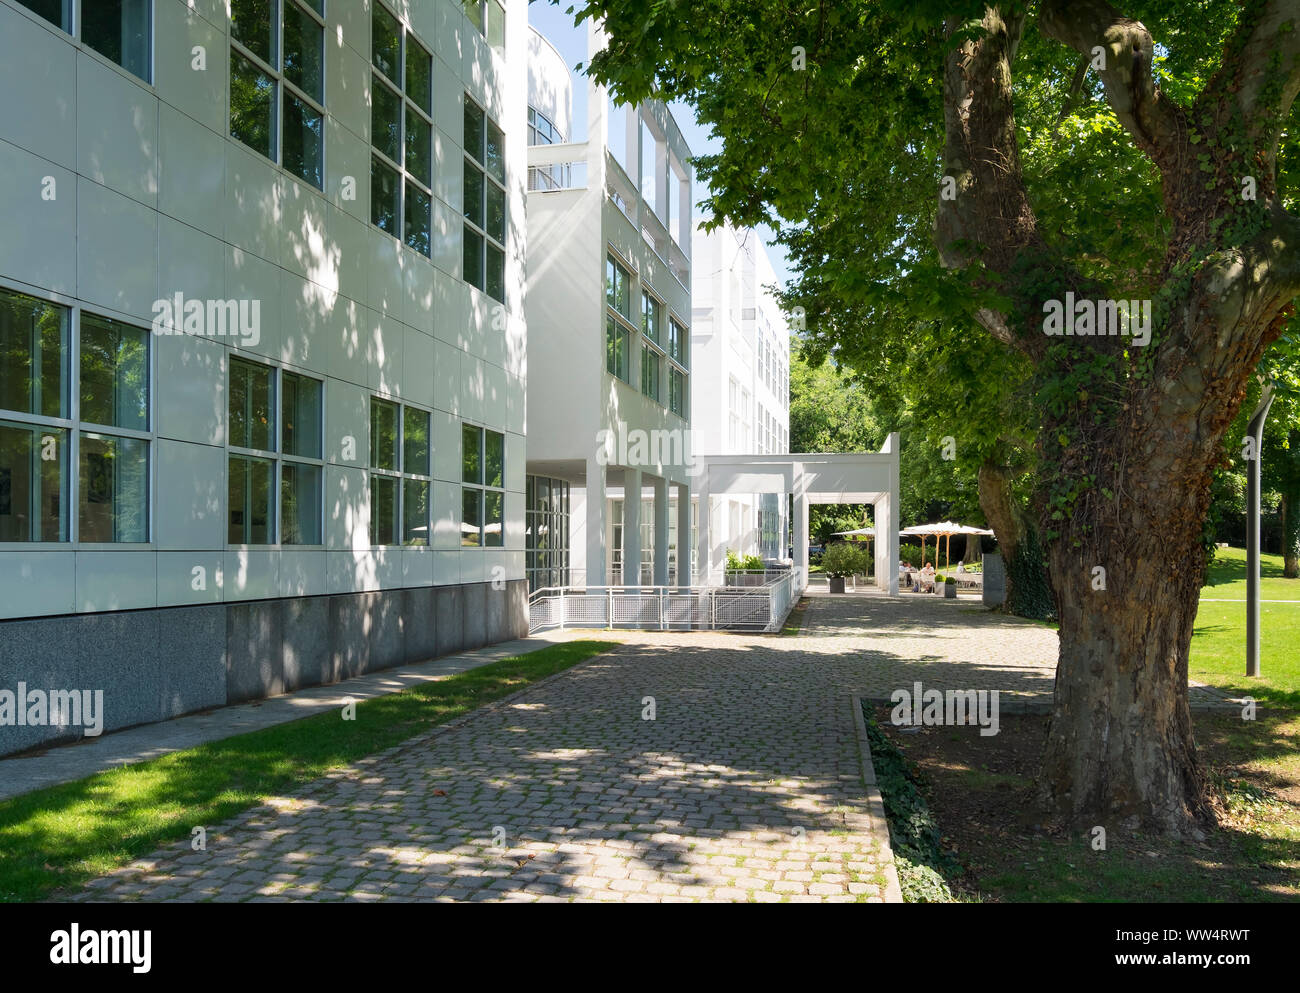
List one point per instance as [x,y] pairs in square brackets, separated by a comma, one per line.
[876,805]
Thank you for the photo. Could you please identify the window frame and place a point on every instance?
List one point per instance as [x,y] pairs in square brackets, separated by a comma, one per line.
[481,487]
[277,457]
[283,87]
[476,160]
[402,475]
[405,105]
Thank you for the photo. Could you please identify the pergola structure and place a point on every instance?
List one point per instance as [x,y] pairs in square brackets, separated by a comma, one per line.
[865,477]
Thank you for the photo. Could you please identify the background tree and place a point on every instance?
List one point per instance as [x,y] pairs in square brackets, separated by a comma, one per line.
[1061,152]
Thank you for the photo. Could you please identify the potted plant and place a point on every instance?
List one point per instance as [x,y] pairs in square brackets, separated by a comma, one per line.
[746,571]
[841,560]
[950,588]
[938,584]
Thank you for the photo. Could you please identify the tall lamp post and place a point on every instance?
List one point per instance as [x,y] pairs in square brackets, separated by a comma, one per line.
[1255,430]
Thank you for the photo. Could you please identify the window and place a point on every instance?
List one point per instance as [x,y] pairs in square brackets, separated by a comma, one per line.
[489,19]
[546,534]
[616,348]
[482,519]
[401,133]
[275,448]
[651,372]
[617,283]
[400,474]
[34,429]
[47,459]
[650,309]
[541,131]
[119,30]
[485,203]
[277,82]
[113,445]
[677,392]
[678,340]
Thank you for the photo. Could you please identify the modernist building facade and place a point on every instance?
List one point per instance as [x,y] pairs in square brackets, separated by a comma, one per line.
[740,393]
[262,343]
[609,311]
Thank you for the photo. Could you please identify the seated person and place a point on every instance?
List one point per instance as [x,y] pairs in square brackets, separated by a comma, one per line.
[961,566]
[927,577]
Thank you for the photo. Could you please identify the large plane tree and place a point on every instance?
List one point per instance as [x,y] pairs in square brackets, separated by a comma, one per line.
[992,164]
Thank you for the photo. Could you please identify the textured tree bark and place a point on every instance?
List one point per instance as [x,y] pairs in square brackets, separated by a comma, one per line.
[1125,486]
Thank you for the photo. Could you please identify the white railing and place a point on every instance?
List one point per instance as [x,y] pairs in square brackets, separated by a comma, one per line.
[664,608]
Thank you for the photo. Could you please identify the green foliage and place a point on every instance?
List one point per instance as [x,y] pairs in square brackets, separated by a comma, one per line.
[1030,595]
[914,836]
[748,563]
[845,559]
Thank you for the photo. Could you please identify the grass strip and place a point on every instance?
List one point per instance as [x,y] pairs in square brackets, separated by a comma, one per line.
[63,835]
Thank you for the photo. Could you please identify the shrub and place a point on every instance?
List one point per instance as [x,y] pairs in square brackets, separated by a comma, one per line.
[750,563]
[843,559]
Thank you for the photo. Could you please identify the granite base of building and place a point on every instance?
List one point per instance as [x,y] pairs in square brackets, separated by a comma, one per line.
[156,664]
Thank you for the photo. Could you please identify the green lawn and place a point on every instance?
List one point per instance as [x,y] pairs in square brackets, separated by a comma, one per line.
[1218,654]
[66,834]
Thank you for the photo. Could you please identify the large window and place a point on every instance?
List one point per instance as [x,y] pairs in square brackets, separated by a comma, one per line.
[277,82]
[48,459]
[618,320]
[489,19]
[651,372]
[119,30]
[275,456]
[401,133]
[485,203]
[400,474]
[678,341]
[546,537]
[483,466]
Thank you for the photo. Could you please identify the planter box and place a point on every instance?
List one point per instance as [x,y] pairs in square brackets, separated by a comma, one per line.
[950,591]
[837,584]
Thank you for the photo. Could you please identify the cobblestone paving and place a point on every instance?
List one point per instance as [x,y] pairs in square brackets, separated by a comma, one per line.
[746,785]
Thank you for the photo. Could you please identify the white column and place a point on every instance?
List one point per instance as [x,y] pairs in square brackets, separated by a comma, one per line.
[595,522]
[703,565]
[800,532]
[660,486]
[683,534]
[888,522]
[631,527]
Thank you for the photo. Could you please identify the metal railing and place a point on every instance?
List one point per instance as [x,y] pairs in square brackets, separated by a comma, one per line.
[664,608]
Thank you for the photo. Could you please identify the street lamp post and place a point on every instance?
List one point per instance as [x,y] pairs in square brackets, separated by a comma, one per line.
[1255,431]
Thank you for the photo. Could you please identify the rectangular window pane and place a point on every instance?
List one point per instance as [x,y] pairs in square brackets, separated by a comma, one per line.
[300,504]
[32,477]
[471,457]
[383,510]
[54,11]
[114,499]
[419,76]
[611,280]
[474,11]
[474,193]
[303,139]
[495,286]
[383,435]
[473,257]
[415,442]
[415,512]
[250,25]
[419,219]
[496,212]
[252,102]
[473,130]
[119,30]
[385,191]
[650,317]
[471,519]
[386,43]
[303,50]
[386,120]
[251,415]
[301,416]
[493,518]
[419,147]
[495,457]
[495,154]
[114,373]
[611,346]
[496,24]
[250,501]
[33,346]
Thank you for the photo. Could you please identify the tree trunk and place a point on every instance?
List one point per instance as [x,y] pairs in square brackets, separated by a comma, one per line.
[1291,533]
[1004,515]
[974,549]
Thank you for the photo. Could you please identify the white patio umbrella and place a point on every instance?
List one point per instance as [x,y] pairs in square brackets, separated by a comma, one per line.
[944,529]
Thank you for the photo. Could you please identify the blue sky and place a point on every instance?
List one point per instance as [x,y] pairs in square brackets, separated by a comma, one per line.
[557,27]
